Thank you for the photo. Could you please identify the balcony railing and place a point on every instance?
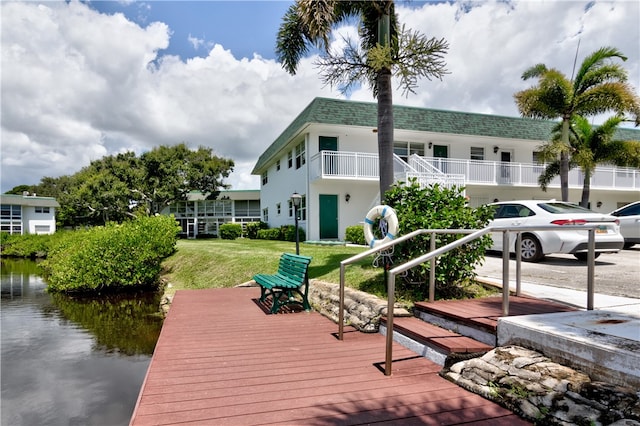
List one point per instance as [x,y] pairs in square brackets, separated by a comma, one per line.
[364,166]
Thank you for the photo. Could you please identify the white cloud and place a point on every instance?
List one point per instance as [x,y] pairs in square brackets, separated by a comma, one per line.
[78,85]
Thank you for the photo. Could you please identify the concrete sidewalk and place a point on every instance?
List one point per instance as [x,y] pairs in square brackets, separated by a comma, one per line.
[575,298]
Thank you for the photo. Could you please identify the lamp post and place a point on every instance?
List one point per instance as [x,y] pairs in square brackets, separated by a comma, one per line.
[296,199]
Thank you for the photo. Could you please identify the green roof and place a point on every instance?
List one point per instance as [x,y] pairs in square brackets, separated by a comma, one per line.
[28,200]
[351,113]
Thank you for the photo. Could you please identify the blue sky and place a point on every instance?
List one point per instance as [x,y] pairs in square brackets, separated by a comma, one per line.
[82,80]
[244,27]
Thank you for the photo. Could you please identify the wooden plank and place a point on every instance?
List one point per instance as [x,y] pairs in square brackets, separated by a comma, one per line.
[221,360]
[484,312]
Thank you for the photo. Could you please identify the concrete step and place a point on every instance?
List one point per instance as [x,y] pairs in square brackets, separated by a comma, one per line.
[431,341]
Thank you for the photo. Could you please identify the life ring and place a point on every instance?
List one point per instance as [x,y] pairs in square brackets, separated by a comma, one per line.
[380,212]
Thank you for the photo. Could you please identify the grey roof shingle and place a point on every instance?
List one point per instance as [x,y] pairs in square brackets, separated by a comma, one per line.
[351,113]
[28,200]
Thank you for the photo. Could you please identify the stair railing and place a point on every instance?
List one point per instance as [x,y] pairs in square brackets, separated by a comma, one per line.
[434,253]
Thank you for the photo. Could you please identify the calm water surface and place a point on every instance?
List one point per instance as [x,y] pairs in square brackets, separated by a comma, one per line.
[71,361]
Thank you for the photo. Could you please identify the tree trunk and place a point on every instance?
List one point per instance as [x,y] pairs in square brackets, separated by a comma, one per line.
[564,161]
[385,131]
[385,112]
[586,189]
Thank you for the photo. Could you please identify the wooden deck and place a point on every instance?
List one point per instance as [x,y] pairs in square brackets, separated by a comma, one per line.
[221,360]
[484,313]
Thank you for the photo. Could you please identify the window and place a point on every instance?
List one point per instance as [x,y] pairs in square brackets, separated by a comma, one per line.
[536,157]
[265,214]
[42,229]
[405,149]
[278,165]
[300,158]
[42,209]
[278,209]
[476,153]
[290,159]
[265,178]
[302,210]
[11,219]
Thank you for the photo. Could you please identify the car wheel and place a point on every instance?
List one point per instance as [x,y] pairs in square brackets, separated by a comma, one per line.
[627,246]
[530,249]
[583,256]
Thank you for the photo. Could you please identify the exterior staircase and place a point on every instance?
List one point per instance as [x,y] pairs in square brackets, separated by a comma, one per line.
[455,329]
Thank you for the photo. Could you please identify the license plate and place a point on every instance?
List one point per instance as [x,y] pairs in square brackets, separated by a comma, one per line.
[602,230]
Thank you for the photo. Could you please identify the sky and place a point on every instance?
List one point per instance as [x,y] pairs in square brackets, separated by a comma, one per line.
[83,80]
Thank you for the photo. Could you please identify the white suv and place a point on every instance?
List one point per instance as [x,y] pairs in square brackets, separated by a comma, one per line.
[536,244]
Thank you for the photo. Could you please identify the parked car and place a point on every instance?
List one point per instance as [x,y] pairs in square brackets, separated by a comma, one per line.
[536,244]
[629,217]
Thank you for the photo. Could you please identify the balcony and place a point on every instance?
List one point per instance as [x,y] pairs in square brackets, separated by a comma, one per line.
[364,166]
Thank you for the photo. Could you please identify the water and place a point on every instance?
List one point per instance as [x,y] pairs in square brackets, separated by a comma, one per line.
[71,361]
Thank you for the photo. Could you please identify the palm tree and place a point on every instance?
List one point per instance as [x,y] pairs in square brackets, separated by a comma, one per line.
[384,50]
[589,146]
[599,86]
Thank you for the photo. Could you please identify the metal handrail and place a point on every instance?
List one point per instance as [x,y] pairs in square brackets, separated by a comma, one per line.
[434,253]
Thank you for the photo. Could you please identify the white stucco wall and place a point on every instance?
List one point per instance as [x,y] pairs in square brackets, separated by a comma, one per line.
[31,220]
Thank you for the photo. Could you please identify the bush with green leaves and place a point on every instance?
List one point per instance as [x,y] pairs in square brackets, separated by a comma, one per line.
[252,229]
[230,231]
[28,245]
[355,234]
[436,207]
[269,234]
[112,257]
[288,233]
[284,233]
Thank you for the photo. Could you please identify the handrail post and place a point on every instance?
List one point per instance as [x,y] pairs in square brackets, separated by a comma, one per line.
[341,312]
[391,295]
[505,272]
[432,270]
[591,260]
[518,264]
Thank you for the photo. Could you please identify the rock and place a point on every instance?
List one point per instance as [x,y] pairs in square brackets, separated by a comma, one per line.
[362,310]
[545,392]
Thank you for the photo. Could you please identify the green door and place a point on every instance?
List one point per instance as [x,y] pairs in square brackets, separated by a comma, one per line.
[441,151]
[327,143]
[329,161]
[328,217]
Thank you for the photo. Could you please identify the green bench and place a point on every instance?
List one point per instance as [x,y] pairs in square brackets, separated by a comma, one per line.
[290,279]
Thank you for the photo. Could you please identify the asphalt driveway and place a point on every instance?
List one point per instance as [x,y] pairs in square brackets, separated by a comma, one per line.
[616,274]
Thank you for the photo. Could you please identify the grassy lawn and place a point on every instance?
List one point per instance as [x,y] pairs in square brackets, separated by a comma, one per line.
[218,263]
[227,263]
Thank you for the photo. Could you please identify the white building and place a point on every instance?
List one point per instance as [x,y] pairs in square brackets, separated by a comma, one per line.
[200,217]
[328,154]
[27,214]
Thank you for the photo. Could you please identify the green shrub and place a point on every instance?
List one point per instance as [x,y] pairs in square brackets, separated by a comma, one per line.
[230,231]
[284,233]
[269,234]
[113,257]
[355,234]
[435,207]
[252,229]
[288,233]
[27,246]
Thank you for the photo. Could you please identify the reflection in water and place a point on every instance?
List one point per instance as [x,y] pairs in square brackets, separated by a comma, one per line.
[78,361]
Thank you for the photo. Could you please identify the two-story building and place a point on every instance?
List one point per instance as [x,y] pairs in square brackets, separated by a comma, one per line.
[27,214]
[200,217]
[328,154]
